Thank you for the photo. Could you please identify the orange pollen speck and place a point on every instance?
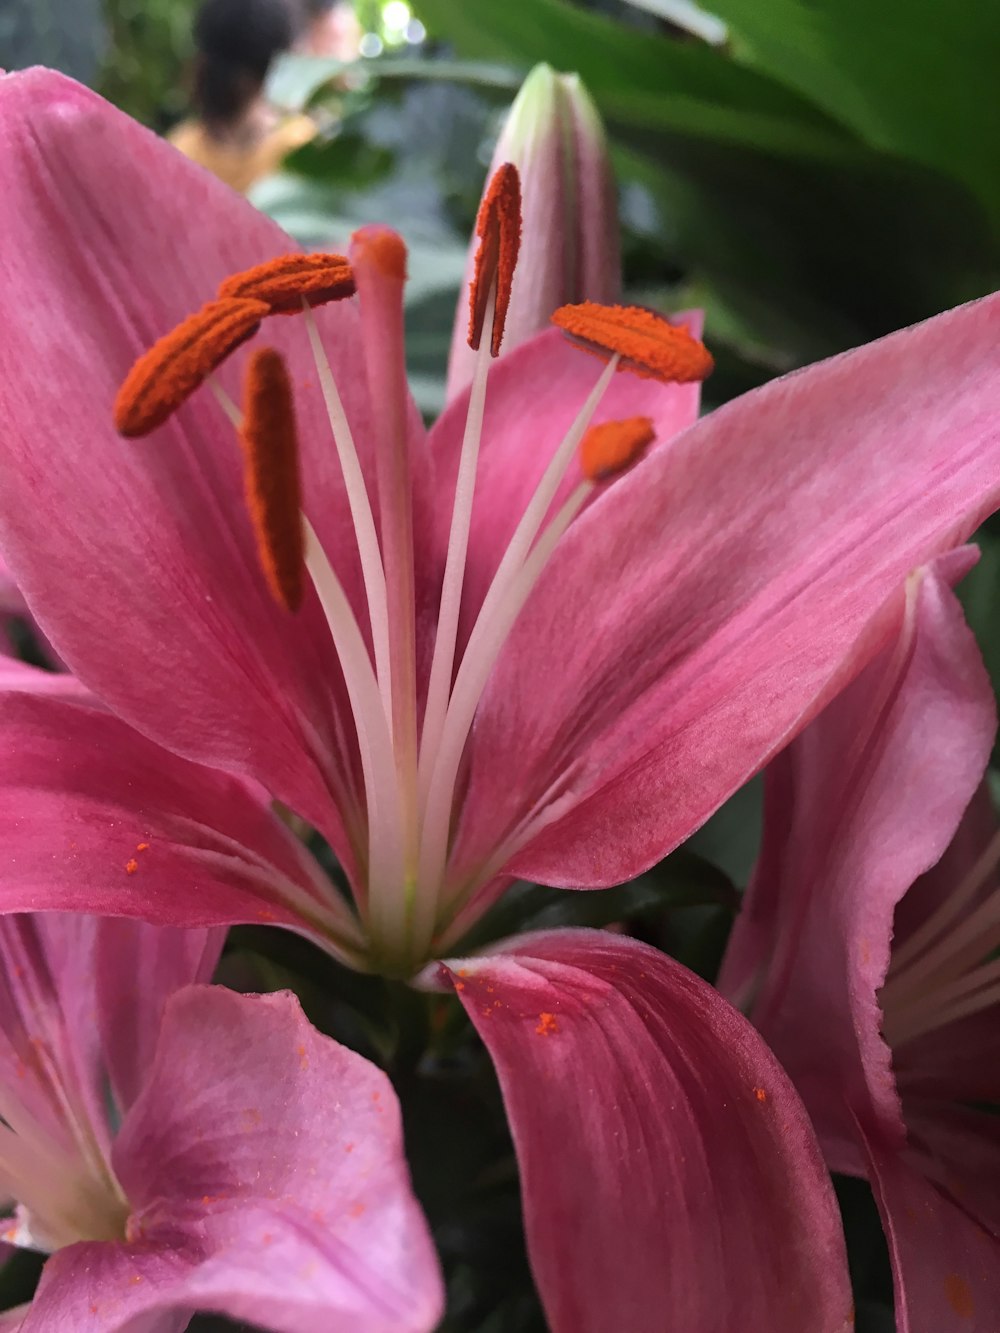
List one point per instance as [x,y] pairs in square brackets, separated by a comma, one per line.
[613,446]
[648,344]
[498,227]
[165,377]
[547,1024]
[273,494]
[382,247]
[131,866]
[283,283]
[959,1295]
[142,847]
[760,1094]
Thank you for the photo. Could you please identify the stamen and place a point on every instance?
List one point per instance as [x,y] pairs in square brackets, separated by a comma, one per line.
[166,376]
[492,626]
[283,283]
[272,474]
[649,345]
[613,446]
[498,227]
[361,514]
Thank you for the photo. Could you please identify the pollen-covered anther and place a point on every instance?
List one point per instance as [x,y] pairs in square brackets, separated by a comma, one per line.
[273,491]
[610,448]
[165,377]
[647,343]
[498,227]
[284,283]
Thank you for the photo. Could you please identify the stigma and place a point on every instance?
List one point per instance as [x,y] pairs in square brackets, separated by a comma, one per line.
[411,721]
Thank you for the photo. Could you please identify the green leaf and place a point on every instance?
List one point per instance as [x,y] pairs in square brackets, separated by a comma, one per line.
[294,80]
[630,73]
[916,77]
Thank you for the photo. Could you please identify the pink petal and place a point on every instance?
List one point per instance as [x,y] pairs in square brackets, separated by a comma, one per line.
[533,395]
[137,968]
[48,1040]
[946,1267]
[97,819]
[862,803]
[704,608]
[266,1167]
[138,558]
[666,1162]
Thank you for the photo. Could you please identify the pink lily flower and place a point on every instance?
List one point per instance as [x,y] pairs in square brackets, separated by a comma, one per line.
[571,248]
[863,952]
[242,1146]
[557,675]
[553,676]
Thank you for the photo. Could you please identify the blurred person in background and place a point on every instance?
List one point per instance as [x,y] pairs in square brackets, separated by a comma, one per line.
[235,132]
[329,28]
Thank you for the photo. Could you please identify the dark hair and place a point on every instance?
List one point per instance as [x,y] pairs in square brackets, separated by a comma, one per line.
[236,41]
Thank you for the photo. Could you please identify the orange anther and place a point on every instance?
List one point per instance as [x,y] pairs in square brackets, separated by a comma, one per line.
[648,344]
[284,283]
[273,494]
[165,377]
[498,227]
[613,446]
[381,247]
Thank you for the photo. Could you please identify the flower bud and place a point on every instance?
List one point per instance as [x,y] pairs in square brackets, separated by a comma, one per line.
[570,248]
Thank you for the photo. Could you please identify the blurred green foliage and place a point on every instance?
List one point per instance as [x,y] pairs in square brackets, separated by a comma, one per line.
[150,48]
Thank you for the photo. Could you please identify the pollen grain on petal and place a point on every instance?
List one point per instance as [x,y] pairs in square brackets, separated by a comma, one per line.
[959,1295]
[165,377]
[648,344]
[547,1025]
[273,493]
[283,283]
[611,447]
[498,227]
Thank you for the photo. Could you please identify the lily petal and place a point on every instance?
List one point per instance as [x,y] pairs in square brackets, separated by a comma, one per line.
[267,1170]
[944,1264]
[98,819]
[152,559]
[667,1163]
[856,813]
[137,968]
[712,600]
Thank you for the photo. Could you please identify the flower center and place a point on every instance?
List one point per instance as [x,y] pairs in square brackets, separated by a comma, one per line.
[948,969]
[411,764]
[51,1160]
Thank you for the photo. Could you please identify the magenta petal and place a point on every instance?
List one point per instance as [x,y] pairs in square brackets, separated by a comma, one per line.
[47,973]
[704,608]
[97,819]
[946,1267]
[278,1154]
[856,812]
[137,557]
[137,968]
[667,1163]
